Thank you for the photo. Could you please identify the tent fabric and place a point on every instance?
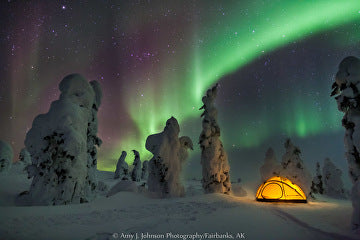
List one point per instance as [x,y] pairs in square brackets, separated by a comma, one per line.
[280,189]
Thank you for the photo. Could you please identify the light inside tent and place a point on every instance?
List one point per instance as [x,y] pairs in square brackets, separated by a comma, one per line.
[280,189]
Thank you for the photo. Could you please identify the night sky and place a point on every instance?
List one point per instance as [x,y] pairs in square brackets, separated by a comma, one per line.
[274,60]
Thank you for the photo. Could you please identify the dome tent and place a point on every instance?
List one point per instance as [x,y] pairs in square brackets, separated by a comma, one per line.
[280,189]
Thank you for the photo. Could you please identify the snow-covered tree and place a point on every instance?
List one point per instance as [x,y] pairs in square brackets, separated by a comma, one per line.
[61,144]
[215,166]
[333,184]
[136,172]
[93,141]
[166,164]
[145,170]
[122,168]
[294,169]
[317,182]
[6,156]
[270,167]
[346,89]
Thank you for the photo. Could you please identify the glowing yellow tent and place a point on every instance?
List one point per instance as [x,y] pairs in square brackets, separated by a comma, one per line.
[280,189]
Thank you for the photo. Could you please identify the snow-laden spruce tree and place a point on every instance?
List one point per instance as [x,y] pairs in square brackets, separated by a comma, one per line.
[122,168]
[136,172]
[215,166]
[346,90]
[294,169]
[145,170]
[317,186]
[333,184]
[93,141]
[24,160]
[166,164]
[271,167]
[6,156]
[61,144]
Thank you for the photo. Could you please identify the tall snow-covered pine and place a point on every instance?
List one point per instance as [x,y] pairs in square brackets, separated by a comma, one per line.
[215,165]
[317,182]
[136,172]
[122,168]
[346,90]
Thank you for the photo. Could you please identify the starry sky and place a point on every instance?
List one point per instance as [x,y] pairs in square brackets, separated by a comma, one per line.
[274,60]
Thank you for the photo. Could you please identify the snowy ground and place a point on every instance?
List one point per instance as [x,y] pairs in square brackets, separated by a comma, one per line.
[207,215]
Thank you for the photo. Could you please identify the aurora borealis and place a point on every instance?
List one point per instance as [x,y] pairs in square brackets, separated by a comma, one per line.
[274,61]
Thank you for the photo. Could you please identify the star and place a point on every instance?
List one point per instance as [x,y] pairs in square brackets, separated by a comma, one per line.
[140,57]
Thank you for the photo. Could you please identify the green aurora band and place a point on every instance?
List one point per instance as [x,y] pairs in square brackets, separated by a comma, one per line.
[221,47]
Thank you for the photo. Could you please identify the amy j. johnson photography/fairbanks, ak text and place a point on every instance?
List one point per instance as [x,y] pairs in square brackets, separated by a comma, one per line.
[171,235]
